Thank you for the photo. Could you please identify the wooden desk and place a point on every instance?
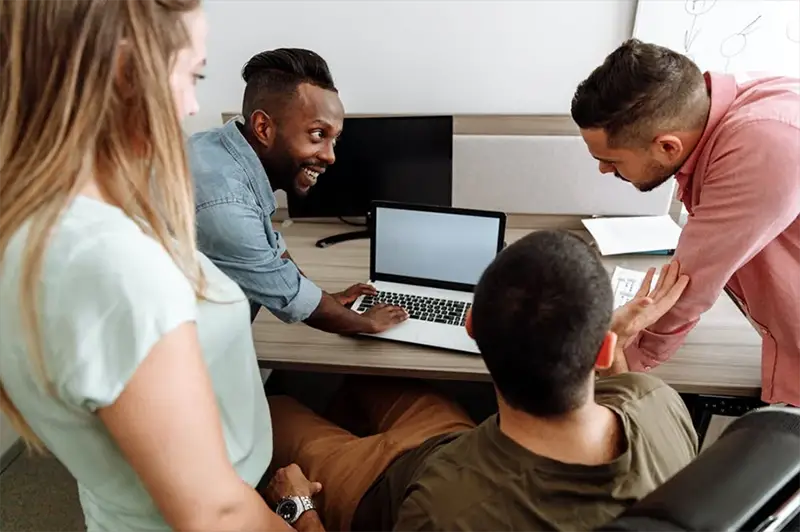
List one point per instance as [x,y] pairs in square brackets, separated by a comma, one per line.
[721,356]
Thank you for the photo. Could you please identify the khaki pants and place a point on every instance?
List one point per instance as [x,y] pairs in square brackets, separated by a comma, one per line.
[399,414]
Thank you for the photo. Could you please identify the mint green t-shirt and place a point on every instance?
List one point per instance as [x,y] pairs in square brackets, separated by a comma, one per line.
[108,293]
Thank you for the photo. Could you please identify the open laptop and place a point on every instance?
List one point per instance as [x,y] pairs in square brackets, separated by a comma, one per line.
[428,260]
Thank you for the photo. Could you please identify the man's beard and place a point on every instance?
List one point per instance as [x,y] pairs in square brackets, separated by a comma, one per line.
[282,173]
[655,183]
[661,174]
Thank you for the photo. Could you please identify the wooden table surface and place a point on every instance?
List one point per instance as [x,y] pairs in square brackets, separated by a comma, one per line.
[721,356]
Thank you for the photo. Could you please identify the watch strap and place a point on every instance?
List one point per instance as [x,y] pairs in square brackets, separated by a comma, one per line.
[307,504]
[303,503]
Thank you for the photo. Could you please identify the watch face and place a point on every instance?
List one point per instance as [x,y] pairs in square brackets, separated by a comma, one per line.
[287,510]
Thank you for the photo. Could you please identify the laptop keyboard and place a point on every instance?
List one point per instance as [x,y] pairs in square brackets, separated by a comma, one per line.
[421,308]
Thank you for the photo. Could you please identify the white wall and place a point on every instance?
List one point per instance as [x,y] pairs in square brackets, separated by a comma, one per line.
[420,57]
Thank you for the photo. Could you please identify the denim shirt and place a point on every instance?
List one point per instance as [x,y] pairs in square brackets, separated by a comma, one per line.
[234,206]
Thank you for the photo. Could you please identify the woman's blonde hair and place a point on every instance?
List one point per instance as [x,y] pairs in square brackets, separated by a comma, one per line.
[85,94]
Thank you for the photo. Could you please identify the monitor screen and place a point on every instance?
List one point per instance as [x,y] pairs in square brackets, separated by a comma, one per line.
[437,248]
[395,158]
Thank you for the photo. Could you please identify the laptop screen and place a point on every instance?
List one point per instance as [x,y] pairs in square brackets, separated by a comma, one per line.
[442,247]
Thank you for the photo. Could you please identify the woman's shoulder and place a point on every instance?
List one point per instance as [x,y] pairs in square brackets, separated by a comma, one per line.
[97,249]
[107,293]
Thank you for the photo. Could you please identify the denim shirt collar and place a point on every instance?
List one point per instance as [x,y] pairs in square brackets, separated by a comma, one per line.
[233,140]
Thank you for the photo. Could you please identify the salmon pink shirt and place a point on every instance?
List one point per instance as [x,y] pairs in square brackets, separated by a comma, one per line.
[741,188]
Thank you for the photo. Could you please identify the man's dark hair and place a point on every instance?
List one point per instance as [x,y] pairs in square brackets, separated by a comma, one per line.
[272,77]
[639,90]
[540,315]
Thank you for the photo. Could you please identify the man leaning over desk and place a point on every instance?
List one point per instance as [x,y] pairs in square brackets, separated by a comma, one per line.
[648,113]
[293,116]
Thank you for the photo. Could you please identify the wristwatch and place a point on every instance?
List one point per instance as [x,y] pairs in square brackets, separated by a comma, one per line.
[291,508]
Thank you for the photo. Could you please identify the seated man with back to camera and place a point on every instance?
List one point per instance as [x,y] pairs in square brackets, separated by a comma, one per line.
[292,118]
[566,451]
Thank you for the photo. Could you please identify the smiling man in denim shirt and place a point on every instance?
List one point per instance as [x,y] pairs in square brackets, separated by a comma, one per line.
[293,116]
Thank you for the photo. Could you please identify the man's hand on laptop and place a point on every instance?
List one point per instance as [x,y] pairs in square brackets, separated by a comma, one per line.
[646,307]
[383,316]
[346,297]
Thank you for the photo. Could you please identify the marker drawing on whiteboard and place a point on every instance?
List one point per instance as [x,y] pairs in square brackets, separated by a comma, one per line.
[699,7]
[695,8]
[793,33]
[735,44]
[688,38]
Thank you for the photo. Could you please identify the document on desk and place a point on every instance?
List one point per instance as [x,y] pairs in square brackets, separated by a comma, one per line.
[626,283]
[634,234]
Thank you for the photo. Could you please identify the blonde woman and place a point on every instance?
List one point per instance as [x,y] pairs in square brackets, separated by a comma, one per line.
[122,351]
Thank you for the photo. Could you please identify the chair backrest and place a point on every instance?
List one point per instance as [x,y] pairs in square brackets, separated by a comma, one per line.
[749,479]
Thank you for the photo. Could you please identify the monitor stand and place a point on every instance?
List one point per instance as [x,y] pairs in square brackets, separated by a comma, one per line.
[342,237]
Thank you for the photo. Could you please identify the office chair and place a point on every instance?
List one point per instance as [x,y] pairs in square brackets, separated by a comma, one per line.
[748,480]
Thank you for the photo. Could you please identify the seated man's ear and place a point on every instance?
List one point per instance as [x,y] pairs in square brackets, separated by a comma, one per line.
[468,323]
[605,357]
[262,126]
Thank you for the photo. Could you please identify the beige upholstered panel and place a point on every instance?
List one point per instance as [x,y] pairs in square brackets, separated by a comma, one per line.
[500,125]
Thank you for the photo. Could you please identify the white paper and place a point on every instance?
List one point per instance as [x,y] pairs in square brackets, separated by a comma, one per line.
[626,283]
[637,234]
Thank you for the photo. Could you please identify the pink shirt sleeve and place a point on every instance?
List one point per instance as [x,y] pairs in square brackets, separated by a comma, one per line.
[749,196]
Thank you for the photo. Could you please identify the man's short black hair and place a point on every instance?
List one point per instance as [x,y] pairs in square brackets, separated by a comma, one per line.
[640,90]
[540,315]
[273,76]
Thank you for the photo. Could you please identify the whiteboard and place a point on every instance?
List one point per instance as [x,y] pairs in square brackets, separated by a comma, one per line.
[422,56]
[733,36]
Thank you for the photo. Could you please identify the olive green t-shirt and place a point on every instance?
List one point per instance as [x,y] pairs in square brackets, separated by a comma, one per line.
[482,480]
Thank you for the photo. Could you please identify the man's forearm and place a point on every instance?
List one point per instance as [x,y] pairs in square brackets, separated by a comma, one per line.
[309,522]
[618,365]
[330,316]
[649,349]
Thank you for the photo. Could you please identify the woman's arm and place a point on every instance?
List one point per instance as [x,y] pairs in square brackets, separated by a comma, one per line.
[167,425]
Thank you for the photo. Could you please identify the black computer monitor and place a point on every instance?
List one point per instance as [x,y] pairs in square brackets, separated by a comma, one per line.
[395,158]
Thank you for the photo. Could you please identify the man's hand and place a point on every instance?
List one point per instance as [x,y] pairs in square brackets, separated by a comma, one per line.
[647,306]
[290,482]
[383,316]
[354,292]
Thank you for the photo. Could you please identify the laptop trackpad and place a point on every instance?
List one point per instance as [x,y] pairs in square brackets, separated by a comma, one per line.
[432,334]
